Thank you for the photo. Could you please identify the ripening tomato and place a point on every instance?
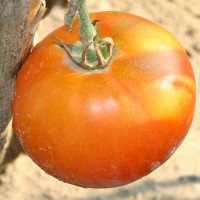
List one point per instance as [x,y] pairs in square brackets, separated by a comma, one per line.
[105,127]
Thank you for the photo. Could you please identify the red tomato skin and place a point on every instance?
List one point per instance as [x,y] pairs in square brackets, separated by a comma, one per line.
[105,128]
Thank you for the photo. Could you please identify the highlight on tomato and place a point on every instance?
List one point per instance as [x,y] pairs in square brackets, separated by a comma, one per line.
[105,126]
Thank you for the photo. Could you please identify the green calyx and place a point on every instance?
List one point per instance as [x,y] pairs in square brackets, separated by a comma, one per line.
[95,55]
[92,52]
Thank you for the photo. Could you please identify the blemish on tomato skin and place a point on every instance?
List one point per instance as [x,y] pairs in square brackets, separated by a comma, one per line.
[29,116]
[155,165]
[20,135]
[173,150]
[178,82]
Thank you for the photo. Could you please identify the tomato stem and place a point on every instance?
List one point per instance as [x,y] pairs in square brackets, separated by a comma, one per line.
[71,13]
[92,52]
[87,29]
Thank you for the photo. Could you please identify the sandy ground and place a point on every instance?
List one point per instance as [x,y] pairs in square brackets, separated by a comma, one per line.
[179,177]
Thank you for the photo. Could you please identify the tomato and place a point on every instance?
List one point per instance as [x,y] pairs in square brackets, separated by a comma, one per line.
[105,127]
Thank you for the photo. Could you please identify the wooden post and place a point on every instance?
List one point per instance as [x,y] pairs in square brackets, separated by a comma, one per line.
[18,22]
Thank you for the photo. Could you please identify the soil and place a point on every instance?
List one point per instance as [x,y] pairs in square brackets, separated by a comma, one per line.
[179,177]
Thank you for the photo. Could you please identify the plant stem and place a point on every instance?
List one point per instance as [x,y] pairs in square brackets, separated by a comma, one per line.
[71,13]
[87,29]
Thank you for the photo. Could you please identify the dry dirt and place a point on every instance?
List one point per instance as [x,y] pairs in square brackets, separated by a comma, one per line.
[179,177]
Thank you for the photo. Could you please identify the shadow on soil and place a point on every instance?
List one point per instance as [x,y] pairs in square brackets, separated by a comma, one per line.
[150,185]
